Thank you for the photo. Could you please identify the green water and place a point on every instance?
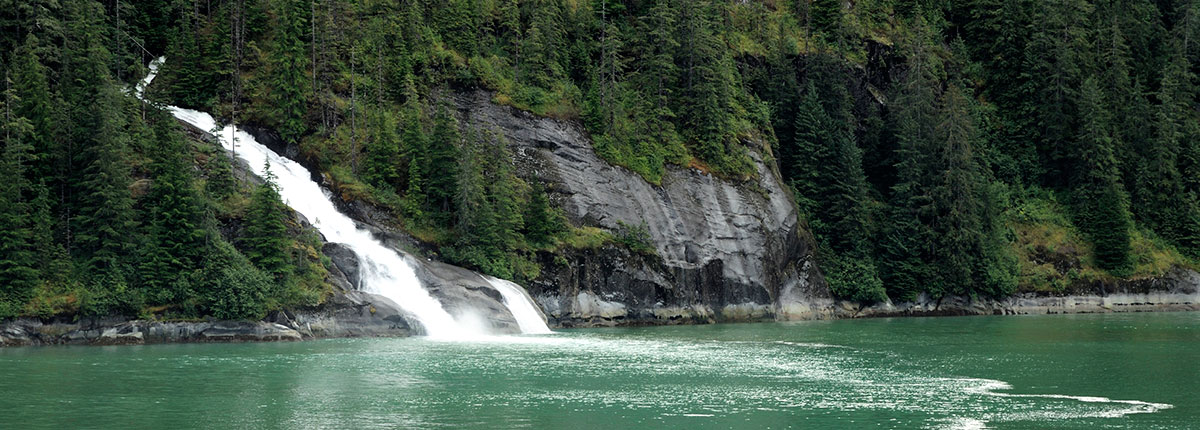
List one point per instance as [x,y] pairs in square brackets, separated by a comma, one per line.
[1074,372]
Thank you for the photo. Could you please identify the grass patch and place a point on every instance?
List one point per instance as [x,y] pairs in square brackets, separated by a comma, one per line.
[585,238]
[1054,257]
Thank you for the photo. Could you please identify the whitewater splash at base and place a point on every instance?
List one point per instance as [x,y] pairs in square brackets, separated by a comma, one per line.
[384,271]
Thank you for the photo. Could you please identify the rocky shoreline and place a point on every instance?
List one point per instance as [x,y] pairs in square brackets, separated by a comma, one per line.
[350,314]
[358,314]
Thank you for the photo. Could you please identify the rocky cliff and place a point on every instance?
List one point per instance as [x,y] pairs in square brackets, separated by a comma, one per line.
[724,250]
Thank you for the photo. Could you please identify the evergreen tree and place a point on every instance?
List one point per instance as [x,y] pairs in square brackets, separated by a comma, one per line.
[442,169]
[810,151]
[906,246]
[177,236]
[1101,207]
[35,105]
[706,99]
[383,152]
[502,189]
[957,191]
[288,66]
[480,240]
[543,44]
[827,15]
[231,287]
[832,190]
[542,223]
[1162,202]
[266,242]
[416,150]
[106,214]
[18,276]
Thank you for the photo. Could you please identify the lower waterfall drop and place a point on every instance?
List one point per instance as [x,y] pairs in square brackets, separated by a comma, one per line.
[384,271]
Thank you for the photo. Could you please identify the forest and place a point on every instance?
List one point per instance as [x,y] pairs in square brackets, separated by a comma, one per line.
[974,147]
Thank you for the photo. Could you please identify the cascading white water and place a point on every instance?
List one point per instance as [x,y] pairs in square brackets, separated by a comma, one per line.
[521,305]
[383,271]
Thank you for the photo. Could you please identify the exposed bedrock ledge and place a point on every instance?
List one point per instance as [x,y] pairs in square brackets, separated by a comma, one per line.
[725,250]
[1178,290]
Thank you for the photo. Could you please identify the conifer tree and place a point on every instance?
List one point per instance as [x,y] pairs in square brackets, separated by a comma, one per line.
[442,172]
[956,192]
[383,151]
[177,236]
[543,44]
[35,105]
[832,191]
[17,258]
[1101,207]
[542,223]
[106,215]
[416,151]
[1162,202]
[502,188]
[827,15]
[706,99]
[905,247]
[288,67]
[266,242]
[480,241]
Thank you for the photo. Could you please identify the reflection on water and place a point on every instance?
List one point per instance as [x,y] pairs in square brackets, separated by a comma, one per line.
[947,373]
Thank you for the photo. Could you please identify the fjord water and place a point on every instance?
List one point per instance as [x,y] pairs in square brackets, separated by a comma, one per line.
[1137,371]
[383,271]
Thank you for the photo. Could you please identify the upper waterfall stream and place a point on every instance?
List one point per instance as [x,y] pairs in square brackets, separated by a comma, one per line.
[383,271]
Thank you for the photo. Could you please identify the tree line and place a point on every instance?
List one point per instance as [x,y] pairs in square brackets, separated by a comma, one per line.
[915,134]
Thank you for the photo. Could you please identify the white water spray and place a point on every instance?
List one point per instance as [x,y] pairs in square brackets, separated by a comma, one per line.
[521,305]
[383,271]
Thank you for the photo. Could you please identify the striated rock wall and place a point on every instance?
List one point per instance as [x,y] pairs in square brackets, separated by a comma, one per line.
[725,250]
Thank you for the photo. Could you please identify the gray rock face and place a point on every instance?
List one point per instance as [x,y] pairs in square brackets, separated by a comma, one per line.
[466,295]
[725,250]
[25,332]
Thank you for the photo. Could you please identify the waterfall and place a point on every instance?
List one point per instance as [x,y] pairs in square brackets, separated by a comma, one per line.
[383,271]
[529,318]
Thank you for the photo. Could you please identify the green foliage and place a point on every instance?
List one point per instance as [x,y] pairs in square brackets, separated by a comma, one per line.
[943,133]
[18,275]
[177,238]
[442,172]
[287,65]
[636,237]
[383,151]
[1101,207]
[542,222]
[266,242]
[106,213]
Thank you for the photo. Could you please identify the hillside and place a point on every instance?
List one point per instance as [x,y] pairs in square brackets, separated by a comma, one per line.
[871,151]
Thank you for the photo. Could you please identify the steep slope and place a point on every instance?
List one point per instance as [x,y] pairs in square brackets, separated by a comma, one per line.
[723,250]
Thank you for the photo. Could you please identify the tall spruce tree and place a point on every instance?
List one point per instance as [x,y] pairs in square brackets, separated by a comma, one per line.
[832,191]
[266,241]
[706,98]
[177,217]
[1162,201]
[383,151]
[1101,207]
[18,275]
[288,70]
[105,221]
[442,169]
[906,246]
